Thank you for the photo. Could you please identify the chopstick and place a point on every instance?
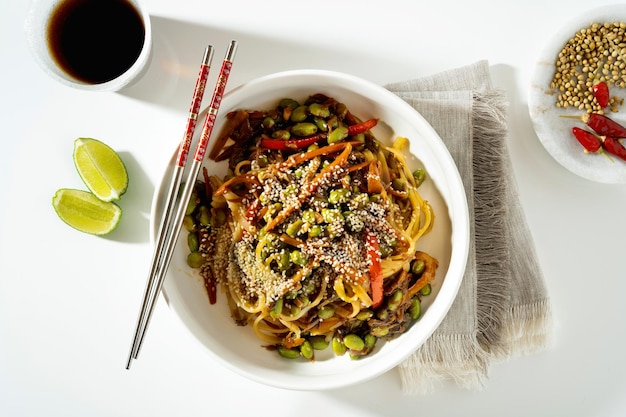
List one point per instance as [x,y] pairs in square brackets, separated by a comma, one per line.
[175,181]
[169,230]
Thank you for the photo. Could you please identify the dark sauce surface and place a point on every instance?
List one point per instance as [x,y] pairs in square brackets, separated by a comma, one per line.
[95,41]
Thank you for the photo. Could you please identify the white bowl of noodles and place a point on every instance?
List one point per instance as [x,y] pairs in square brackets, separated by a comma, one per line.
[238,347]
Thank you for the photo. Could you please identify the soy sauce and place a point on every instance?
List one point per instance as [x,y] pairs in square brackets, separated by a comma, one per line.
[95,41]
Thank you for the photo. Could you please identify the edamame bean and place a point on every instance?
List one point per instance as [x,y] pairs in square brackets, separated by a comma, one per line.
[418,267]
[365,315]
[340,195]
[338,134]
[354,222]
[294,227]
[398,184]
[277,310]
[299,172]
[297,257]
[318,342]
[299,114]
[332,215]
[426,290]
[304,129]
[268,122]
[361,199]
[309,216]
[263,161]
[326,312]
[370,341]
[284,262]
[189,223]
[288,102]
[353,342]
[381,331]
[338,347]
[359,138]
[419,175]
[195,260]
[193,242]
[395,300]
[315,231]
[288,353]
[306,350]
[415,309]
[194,200]
[281,134]
[319,110]
[385,250]
[271,210]
[294,311]
[204,215]
[321,124]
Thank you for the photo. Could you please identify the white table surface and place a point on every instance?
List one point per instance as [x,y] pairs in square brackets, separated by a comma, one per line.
[68,301]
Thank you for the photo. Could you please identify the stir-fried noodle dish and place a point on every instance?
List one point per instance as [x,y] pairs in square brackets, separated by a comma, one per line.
[312,235]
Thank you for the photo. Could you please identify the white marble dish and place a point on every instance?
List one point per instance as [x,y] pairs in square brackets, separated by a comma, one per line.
[553,131]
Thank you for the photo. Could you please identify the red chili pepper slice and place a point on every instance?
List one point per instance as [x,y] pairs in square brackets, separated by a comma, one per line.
[362,127]
[614,147]
[600,90]
[291,144]
[375,269]
[590,141]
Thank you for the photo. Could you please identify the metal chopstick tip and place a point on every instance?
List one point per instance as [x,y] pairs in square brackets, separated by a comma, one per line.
[232,50]
[208,55]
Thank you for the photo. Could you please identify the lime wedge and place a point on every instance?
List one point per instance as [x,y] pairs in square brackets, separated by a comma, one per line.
[101,169]
[84,211]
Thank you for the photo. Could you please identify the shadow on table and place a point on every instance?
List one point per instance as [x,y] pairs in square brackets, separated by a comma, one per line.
[178,48]
[136,204]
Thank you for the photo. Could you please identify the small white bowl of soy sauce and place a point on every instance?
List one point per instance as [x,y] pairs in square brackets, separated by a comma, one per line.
[98,46]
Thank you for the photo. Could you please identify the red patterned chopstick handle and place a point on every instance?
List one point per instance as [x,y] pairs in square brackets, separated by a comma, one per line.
[194,110]
[216,101]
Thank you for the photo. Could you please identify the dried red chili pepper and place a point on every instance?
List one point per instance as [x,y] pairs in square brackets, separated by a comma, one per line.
[600,90]
[290,144]
[604,126]
[362,127]
[590,141]
[601,124]
[614,147]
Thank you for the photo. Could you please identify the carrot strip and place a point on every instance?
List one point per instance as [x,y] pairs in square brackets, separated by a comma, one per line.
[299,158]
[311,187]
[244,178]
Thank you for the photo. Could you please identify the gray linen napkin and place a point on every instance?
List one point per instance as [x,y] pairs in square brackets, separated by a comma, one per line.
[502,309]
